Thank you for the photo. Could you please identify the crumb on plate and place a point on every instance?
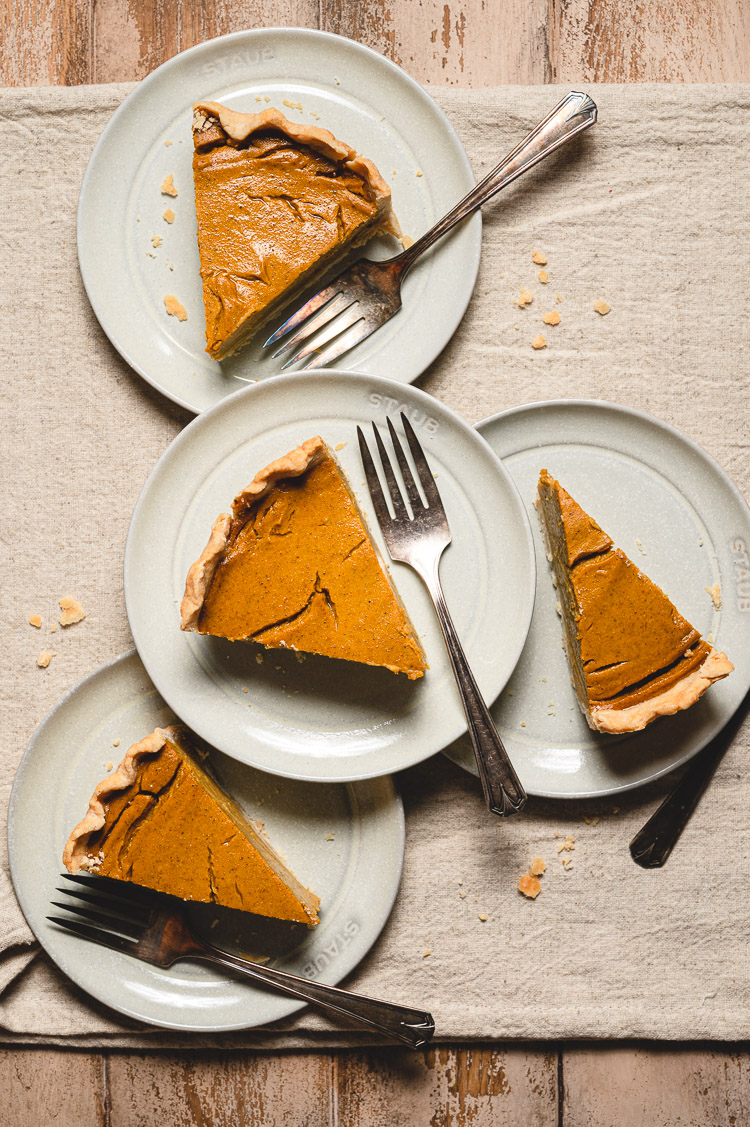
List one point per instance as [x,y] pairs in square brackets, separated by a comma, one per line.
[714,592]
[169,215]
[174,307]
[168,188]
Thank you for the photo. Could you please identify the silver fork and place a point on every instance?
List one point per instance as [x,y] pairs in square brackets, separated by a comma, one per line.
[368,294]
[152,926]
[419,540]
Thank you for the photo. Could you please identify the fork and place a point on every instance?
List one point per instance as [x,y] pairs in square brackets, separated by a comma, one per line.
[367,294]
[420,541]
[152,926]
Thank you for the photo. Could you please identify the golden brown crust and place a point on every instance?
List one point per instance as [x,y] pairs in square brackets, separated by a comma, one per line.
[676,698]
[201,573]
[74,853]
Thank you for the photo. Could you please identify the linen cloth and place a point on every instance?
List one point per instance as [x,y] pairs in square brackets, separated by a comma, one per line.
[649,214]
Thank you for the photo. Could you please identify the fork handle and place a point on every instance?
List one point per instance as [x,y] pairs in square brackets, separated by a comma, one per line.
[413,1027]
[574,113]
[502,788]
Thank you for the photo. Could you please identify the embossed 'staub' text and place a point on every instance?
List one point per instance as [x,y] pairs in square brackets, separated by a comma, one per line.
[236,60]
[337,943]
[393,406]
[741,572]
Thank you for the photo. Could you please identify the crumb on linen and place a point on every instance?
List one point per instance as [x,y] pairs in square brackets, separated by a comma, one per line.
[259,658]
[539,342]
[168,188]
[329,837]
[567,864]
[156,241]
[462,895]
[537,866]
[596,820]
[53,628]
[339,446]
[602,308]
[245,690]
[552,318]
[538,258]
[524,298]
[72,611]
[640,547]
[169,215]
[543,277]
[714,592]
[174,307]
[529,885]
[567,846]
[426,954]
[615,809]
[35,620]
[116,742]
[45,657]
[482,917]
[293,105]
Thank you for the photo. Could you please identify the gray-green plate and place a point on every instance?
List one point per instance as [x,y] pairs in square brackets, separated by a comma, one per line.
[680,518]
[328,833]
[360,96]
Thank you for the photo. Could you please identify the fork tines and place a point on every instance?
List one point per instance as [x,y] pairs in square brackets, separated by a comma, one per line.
[110,916]
[417,502]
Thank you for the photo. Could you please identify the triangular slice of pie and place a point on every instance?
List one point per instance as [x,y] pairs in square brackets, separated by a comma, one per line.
[293,566]
[633,657]
[276,201]
[161,821]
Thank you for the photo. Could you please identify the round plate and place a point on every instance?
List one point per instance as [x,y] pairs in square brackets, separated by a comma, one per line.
[361,97]
[678,516]
[329,835]
[321,718]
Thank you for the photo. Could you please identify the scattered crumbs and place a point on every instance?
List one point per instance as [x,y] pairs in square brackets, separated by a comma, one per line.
[168,188]
[550,704]
[337,80]
[714,592]
[460,882]
[150,254]
[419,172]
[552,318]
[557,833]
[558,297]
[171,267]
[167,144]
[538,342]
[266,98]
[293,105]
[174,307]
[523,723]
[245,690]
[587,821]
[595,820]
[543,680]
[260,802]
[537,866]
[169,215]
[138,219]
[710,637]
[640,547]
[482,917]
[394,172]
[300,658]
[615,809]
[110,765]
[339,446]
[258,98]
[156,240]
[314,114]
[462,895]
[35,620]
[53,628]
[567,846]
[529,885]
[602,308]
[700,542]
[524,298]
[426,954]
[329,837]
[45,657]
[259,658]
[538,258]
[116,743]
[567,864]
[543,277]
[72,611]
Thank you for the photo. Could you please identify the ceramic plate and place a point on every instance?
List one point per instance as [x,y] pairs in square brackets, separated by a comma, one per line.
[329,834]
[321,718]
[361,97]
[678,516]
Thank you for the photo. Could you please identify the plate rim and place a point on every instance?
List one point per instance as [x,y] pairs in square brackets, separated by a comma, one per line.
[293,1005]
[529,594]
[86,190]
[699,451]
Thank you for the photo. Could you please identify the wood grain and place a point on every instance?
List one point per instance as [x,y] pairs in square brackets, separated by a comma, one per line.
[46,42]
[657,1086]
[45,1086]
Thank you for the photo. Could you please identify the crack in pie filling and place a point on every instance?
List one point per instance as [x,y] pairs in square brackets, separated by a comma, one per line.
[633,656]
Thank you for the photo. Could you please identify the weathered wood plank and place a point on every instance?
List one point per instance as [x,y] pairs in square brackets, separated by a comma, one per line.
[481,1086]
[220,1090]
[42,1086]
[630,1086]
[462,43]
[660,41]
[134,37]
[45,42]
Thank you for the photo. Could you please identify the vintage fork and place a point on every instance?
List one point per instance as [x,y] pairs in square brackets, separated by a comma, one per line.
[368,294]
[152,926]
[419,541]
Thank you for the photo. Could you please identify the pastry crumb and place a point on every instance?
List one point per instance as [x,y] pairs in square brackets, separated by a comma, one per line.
[168,188]
[245,690]
[314,114]
[538,258]
[543,277]
[714,592]
[72,611]
[640,547]
[615,809]
[552,318]
[602,308]
[529,885]
[156,241]
[567,846]
[329,837]
[53,628]
[523,723]
[167,144]
[419,172]
[524,298]
[595,821]
[293,105]
[539,342]
[110,765]
[537,866]
[45,657]
[174,307]
[426,954]
[116,742]
[482,917]
[35,620]
[266,98]
[567,864]
[462,895]
[337,80]
[169,215]
[339,446]
[259,658]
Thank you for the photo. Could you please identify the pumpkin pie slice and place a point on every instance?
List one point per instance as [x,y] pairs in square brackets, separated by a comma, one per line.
[633,657]
[161,821]
[293,567]
[277,201]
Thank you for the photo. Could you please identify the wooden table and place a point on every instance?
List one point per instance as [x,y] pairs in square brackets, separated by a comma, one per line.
[472,43]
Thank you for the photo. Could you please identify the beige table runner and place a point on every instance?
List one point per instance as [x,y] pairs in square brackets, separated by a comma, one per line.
[652,217]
